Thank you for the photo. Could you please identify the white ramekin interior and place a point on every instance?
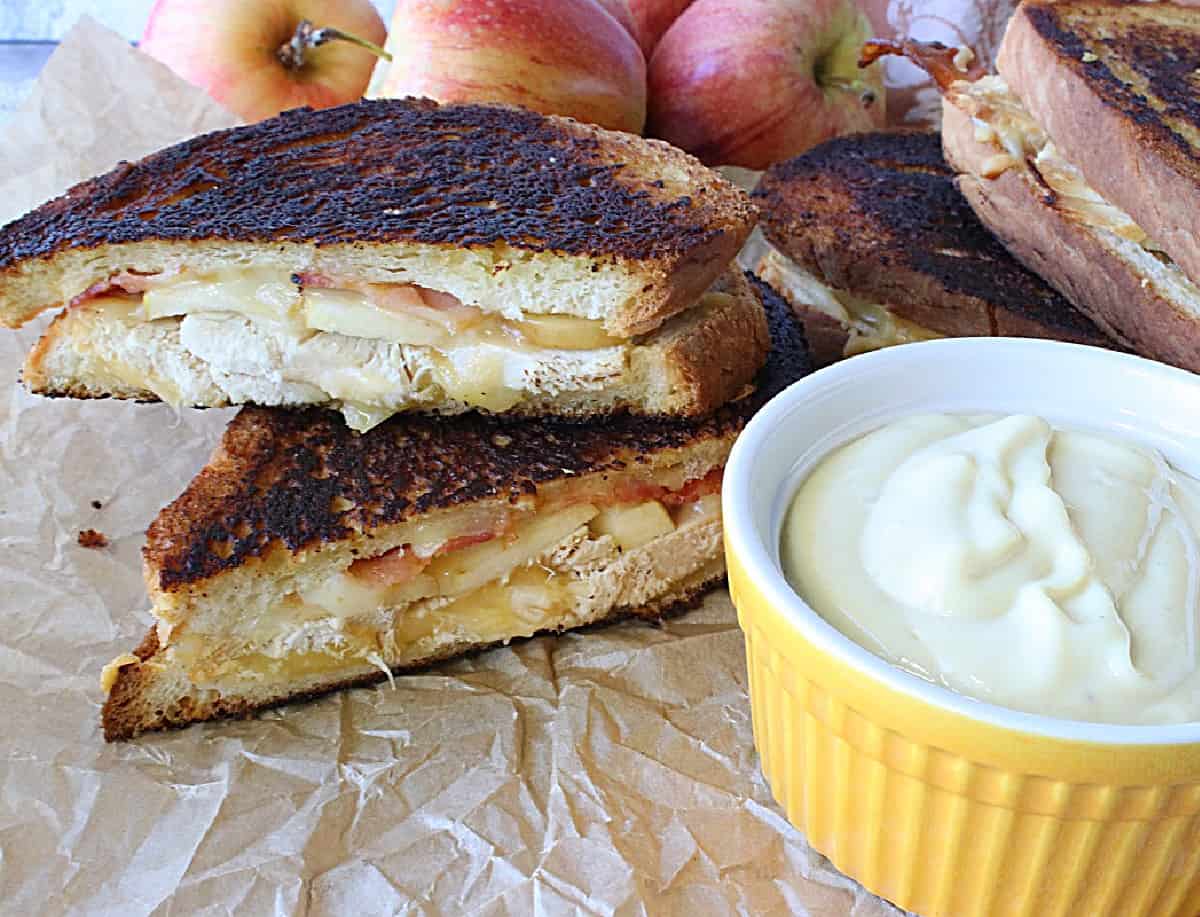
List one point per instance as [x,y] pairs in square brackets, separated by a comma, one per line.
[1068,384]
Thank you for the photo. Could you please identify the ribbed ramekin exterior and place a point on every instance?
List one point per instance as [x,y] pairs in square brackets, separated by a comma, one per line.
[951,833]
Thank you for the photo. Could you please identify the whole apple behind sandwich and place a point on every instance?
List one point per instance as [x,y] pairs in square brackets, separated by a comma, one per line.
[577,58]
[262,57]
[752,82]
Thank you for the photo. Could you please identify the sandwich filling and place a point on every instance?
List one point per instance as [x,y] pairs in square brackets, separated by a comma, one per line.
[500,573]
[1000,119]
[870,325]
[369,348]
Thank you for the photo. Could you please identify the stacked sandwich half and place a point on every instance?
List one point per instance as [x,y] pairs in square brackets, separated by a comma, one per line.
[494,363]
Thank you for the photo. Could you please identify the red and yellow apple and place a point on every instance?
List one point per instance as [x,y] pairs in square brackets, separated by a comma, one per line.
[254,57]
[751,82]
[652,18]
[568,57]
[621,11]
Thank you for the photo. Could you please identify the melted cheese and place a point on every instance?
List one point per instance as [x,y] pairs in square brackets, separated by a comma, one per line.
[329,612]
[533,599]
[108,675]
[492,591]
[352,348]
[872,325]
[1000,119]
[271,295]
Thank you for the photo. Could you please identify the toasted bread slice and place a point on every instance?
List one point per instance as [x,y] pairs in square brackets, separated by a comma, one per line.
[689,366]
[876,218]
[305,558]
[1122,286]
[1116,86]
[509,211]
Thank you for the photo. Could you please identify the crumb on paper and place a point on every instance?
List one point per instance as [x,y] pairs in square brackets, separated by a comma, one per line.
[90,538]
[96,504]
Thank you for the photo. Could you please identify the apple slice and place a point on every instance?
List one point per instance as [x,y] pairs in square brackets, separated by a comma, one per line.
[261,294]
[470,568]
[695,512]
[565,332]
[633,526]
[353,314]
[346,596]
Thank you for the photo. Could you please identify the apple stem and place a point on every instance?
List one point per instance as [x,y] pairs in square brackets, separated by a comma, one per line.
[866,93]
[306,36]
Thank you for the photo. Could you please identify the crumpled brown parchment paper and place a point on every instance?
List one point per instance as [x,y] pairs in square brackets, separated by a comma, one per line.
[611,772]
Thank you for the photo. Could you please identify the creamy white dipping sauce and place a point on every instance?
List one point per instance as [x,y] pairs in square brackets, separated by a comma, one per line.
[1045,570]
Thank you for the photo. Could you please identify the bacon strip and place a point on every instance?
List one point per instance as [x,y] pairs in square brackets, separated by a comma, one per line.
[400,565]
[126,282]
[406,298]
[935,58]
[696,488]
[397,566]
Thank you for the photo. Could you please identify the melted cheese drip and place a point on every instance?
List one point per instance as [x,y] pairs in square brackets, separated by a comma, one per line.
[271,295]
[494,591]
[871,324]
[1002,120]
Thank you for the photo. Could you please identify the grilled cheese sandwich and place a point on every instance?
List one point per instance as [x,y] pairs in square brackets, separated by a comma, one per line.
[872,244]
[1080,155]
[306,557]
[387,256]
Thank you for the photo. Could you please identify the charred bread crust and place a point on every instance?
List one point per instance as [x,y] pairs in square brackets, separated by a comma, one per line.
[403,171]
[878,215]
[826,336]
[1124,72]
[1111,290]
[289,480]
[125,714]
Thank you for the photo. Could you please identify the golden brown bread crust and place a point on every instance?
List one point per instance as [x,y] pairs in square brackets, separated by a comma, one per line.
[877,215]
[403,171]
[1115,86]
[718,359]
[293,479]
[1111,290]
[124,717]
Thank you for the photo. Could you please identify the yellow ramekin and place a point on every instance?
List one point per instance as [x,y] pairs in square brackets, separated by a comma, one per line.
[939,803]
